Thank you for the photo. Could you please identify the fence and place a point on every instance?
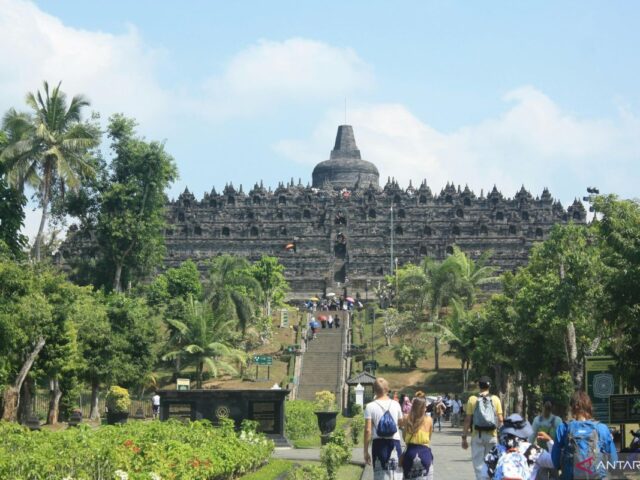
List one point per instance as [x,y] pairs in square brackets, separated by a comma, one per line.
[41,405]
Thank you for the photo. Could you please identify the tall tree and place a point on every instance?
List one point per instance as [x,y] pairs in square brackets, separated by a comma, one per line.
[232,290]
[207,342]
[130,223]
[619,231]
[270,274]
[12,203]
[50,148]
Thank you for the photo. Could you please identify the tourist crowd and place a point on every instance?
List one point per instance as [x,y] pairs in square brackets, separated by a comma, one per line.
[398,435]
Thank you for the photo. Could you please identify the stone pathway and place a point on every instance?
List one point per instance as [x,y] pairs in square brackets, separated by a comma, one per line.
[450,461]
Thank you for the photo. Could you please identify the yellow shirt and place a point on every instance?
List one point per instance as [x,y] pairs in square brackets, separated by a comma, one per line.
[471,406]
[421,437]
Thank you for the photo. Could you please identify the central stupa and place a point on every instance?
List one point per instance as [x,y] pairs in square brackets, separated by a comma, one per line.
[345,168]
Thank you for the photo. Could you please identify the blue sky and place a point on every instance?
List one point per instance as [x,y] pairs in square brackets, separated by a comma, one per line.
[511,93]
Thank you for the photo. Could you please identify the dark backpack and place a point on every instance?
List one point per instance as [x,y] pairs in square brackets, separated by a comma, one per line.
[387,425]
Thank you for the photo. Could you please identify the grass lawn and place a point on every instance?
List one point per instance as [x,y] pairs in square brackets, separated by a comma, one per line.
[277,469]
[423,377]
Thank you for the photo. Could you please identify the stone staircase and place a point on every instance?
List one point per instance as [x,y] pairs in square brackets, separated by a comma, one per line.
[322,363]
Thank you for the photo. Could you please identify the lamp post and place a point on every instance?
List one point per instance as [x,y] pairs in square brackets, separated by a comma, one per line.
[391,256]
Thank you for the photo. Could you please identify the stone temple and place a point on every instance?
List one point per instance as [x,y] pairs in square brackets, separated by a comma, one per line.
[344,232]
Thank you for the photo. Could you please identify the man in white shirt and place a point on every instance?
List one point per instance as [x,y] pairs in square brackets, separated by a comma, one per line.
[385,451]
[155,403]
[456,408]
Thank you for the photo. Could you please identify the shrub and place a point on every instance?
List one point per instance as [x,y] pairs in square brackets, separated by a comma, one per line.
[118,400]
[356,409]
[357,426]
[138,450]
[325,401]
[335,453]
[300,419]
[307,472]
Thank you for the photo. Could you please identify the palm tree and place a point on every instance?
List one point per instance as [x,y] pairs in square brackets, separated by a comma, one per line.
[458,334]
[48,150]
[472,274]
[232,291]
[206,342]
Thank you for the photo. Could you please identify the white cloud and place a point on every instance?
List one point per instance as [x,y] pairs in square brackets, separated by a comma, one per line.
[116,72]
[293,71]
[534,142]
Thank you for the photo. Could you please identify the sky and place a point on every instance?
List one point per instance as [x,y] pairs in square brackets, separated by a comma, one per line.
[540,94]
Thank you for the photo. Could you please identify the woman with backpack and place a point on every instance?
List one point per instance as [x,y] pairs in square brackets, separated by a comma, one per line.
[583,446]
[417,459]
[382,418]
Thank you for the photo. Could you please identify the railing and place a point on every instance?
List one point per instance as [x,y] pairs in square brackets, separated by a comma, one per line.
[40,402]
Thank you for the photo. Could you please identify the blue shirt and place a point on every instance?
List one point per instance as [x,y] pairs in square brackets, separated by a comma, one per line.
[605,442]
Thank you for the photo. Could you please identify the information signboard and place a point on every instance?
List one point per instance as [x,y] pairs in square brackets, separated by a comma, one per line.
[624,408]
[183,383]
[601,384]
[284,318]
[263,359]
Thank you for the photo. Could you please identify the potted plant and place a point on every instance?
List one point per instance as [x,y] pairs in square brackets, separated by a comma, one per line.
[326,411]
[118,403]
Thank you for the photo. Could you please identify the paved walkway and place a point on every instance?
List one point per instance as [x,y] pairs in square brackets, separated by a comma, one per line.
[450,461]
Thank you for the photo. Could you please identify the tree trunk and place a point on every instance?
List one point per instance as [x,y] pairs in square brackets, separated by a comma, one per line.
[572,354]
[12,394]
[43,219]
[519,406]
[116,278]
[26,400]
[436,353]
[199,375]
[94,413]
[465,376]
[54,400]
[498,370]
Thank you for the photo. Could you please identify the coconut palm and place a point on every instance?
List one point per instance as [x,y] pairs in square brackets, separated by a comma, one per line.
[472,274]
[206,342]
[457,331]
[232,291]
[48,150]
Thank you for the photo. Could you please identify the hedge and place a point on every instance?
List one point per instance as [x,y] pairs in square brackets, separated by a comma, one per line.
[134,451]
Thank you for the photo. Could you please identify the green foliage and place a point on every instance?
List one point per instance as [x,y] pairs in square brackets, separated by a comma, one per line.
[12,203]
[270,275]
[300,422]
[49,148]
[356,409]
[204,340]
[195,451]
[335,453]
[308,472]
[357,426]
[130,222]
[408,355]
[325,401]
[118,400]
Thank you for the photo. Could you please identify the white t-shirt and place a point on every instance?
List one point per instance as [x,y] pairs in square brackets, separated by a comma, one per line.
[376,409]
[156,400]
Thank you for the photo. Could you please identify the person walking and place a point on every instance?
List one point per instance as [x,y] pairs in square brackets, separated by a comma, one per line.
[382,419]
[456,408]
[155,405]
[547,423]
[417,459]
[583,447]
[439,410]
[483,418]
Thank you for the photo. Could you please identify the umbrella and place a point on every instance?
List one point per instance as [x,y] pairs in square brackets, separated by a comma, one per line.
[322,317]
[350,299]
[330,294]
[314,324]
[314,299]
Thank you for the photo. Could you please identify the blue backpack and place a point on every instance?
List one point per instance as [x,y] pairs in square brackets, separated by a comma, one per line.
[583,456]
[387,425]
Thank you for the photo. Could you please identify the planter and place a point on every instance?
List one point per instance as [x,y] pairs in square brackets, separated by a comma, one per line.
[114,418]
[326,422]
